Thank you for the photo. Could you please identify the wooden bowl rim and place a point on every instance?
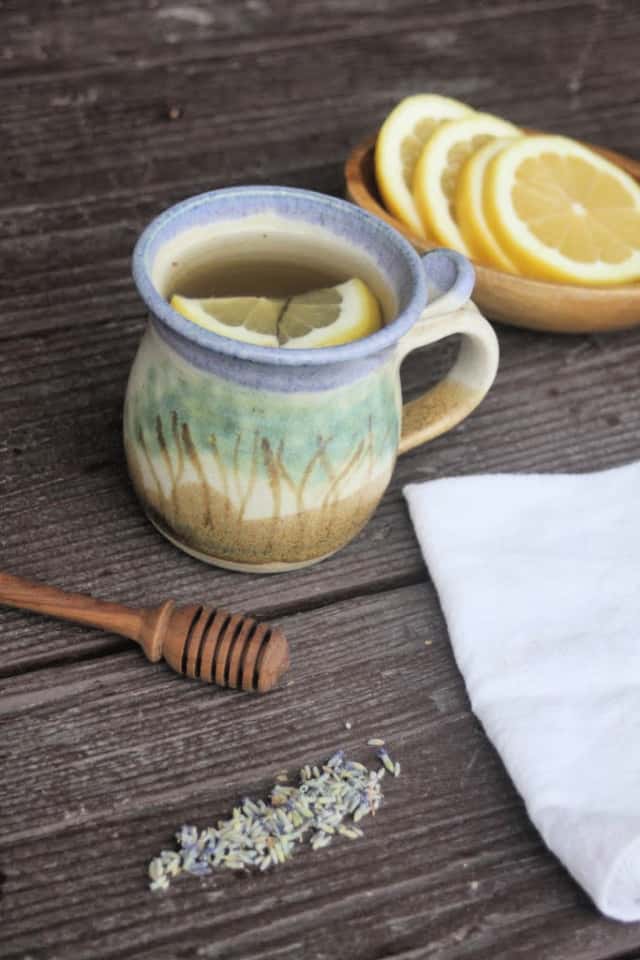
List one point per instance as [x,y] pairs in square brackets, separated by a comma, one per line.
[365,199]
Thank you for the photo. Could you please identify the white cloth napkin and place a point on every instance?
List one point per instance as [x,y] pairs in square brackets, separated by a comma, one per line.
[539,581]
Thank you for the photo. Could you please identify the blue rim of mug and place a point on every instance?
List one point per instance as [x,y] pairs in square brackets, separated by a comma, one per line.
[208,340]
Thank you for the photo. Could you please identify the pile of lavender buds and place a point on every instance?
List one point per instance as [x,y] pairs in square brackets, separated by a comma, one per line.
[327,802]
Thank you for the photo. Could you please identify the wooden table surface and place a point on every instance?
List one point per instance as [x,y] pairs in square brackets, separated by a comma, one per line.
[110,112]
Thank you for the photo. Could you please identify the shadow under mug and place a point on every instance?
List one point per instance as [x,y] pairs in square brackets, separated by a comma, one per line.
[267,459]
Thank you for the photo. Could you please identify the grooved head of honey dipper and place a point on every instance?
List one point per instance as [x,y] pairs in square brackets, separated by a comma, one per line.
[247,655]
[225,648]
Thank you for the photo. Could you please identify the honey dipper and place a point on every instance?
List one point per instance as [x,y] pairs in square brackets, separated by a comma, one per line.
[202,642]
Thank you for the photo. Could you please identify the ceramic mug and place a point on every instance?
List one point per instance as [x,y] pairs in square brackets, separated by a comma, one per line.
[267,459]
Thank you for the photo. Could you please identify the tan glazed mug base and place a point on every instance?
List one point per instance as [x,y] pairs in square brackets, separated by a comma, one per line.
[238,567]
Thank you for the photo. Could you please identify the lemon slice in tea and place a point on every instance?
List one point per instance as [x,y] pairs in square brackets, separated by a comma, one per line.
[252,319]
[320,318]
[329,317]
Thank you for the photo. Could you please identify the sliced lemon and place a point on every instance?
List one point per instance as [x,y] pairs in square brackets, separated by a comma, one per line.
[320,318]
[469,208]
[563,212]
[251,319]
[439,165]
[326,318]
[400,141]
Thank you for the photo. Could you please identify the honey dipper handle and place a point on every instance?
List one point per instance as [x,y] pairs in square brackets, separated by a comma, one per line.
[26,595]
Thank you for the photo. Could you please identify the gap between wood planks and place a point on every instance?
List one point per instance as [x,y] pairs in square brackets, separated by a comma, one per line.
[107,647]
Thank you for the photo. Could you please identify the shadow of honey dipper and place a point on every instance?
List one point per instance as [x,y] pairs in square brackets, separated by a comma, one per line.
[206,643]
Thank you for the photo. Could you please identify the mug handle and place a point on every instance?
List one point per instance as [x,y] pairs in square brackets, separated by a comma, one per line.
[450,280]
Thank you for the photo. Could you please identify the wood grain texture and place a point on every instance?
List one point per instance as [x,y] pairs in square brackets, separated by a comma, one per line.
[558,404]
[450,864]
[263,91]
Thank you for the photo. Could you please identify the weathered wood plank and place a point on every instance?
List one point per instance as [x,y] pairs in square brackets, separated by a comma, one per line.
[251,113]
[69,516]
[268,92]
[107,757]
[323,647]
[38,40]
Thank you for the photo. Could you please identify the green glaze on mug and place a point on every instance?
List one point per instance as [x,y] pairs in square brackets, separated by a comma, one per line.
[268,459]
[246,477]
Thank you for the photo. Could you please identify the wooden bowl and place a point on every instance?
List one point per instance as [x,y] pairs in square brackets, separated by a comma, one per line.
[536,304]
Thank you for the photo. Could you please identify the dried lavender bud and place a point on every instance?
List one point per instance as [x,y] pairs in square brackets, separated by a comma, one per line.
[261,835]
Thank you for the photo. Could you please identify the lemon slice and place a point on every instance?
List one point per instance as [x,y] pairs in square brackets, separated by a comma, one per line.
[400,140]
[437,170]
[563,212]
[251,319]
[326,318]
[320,318]
[469,208]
